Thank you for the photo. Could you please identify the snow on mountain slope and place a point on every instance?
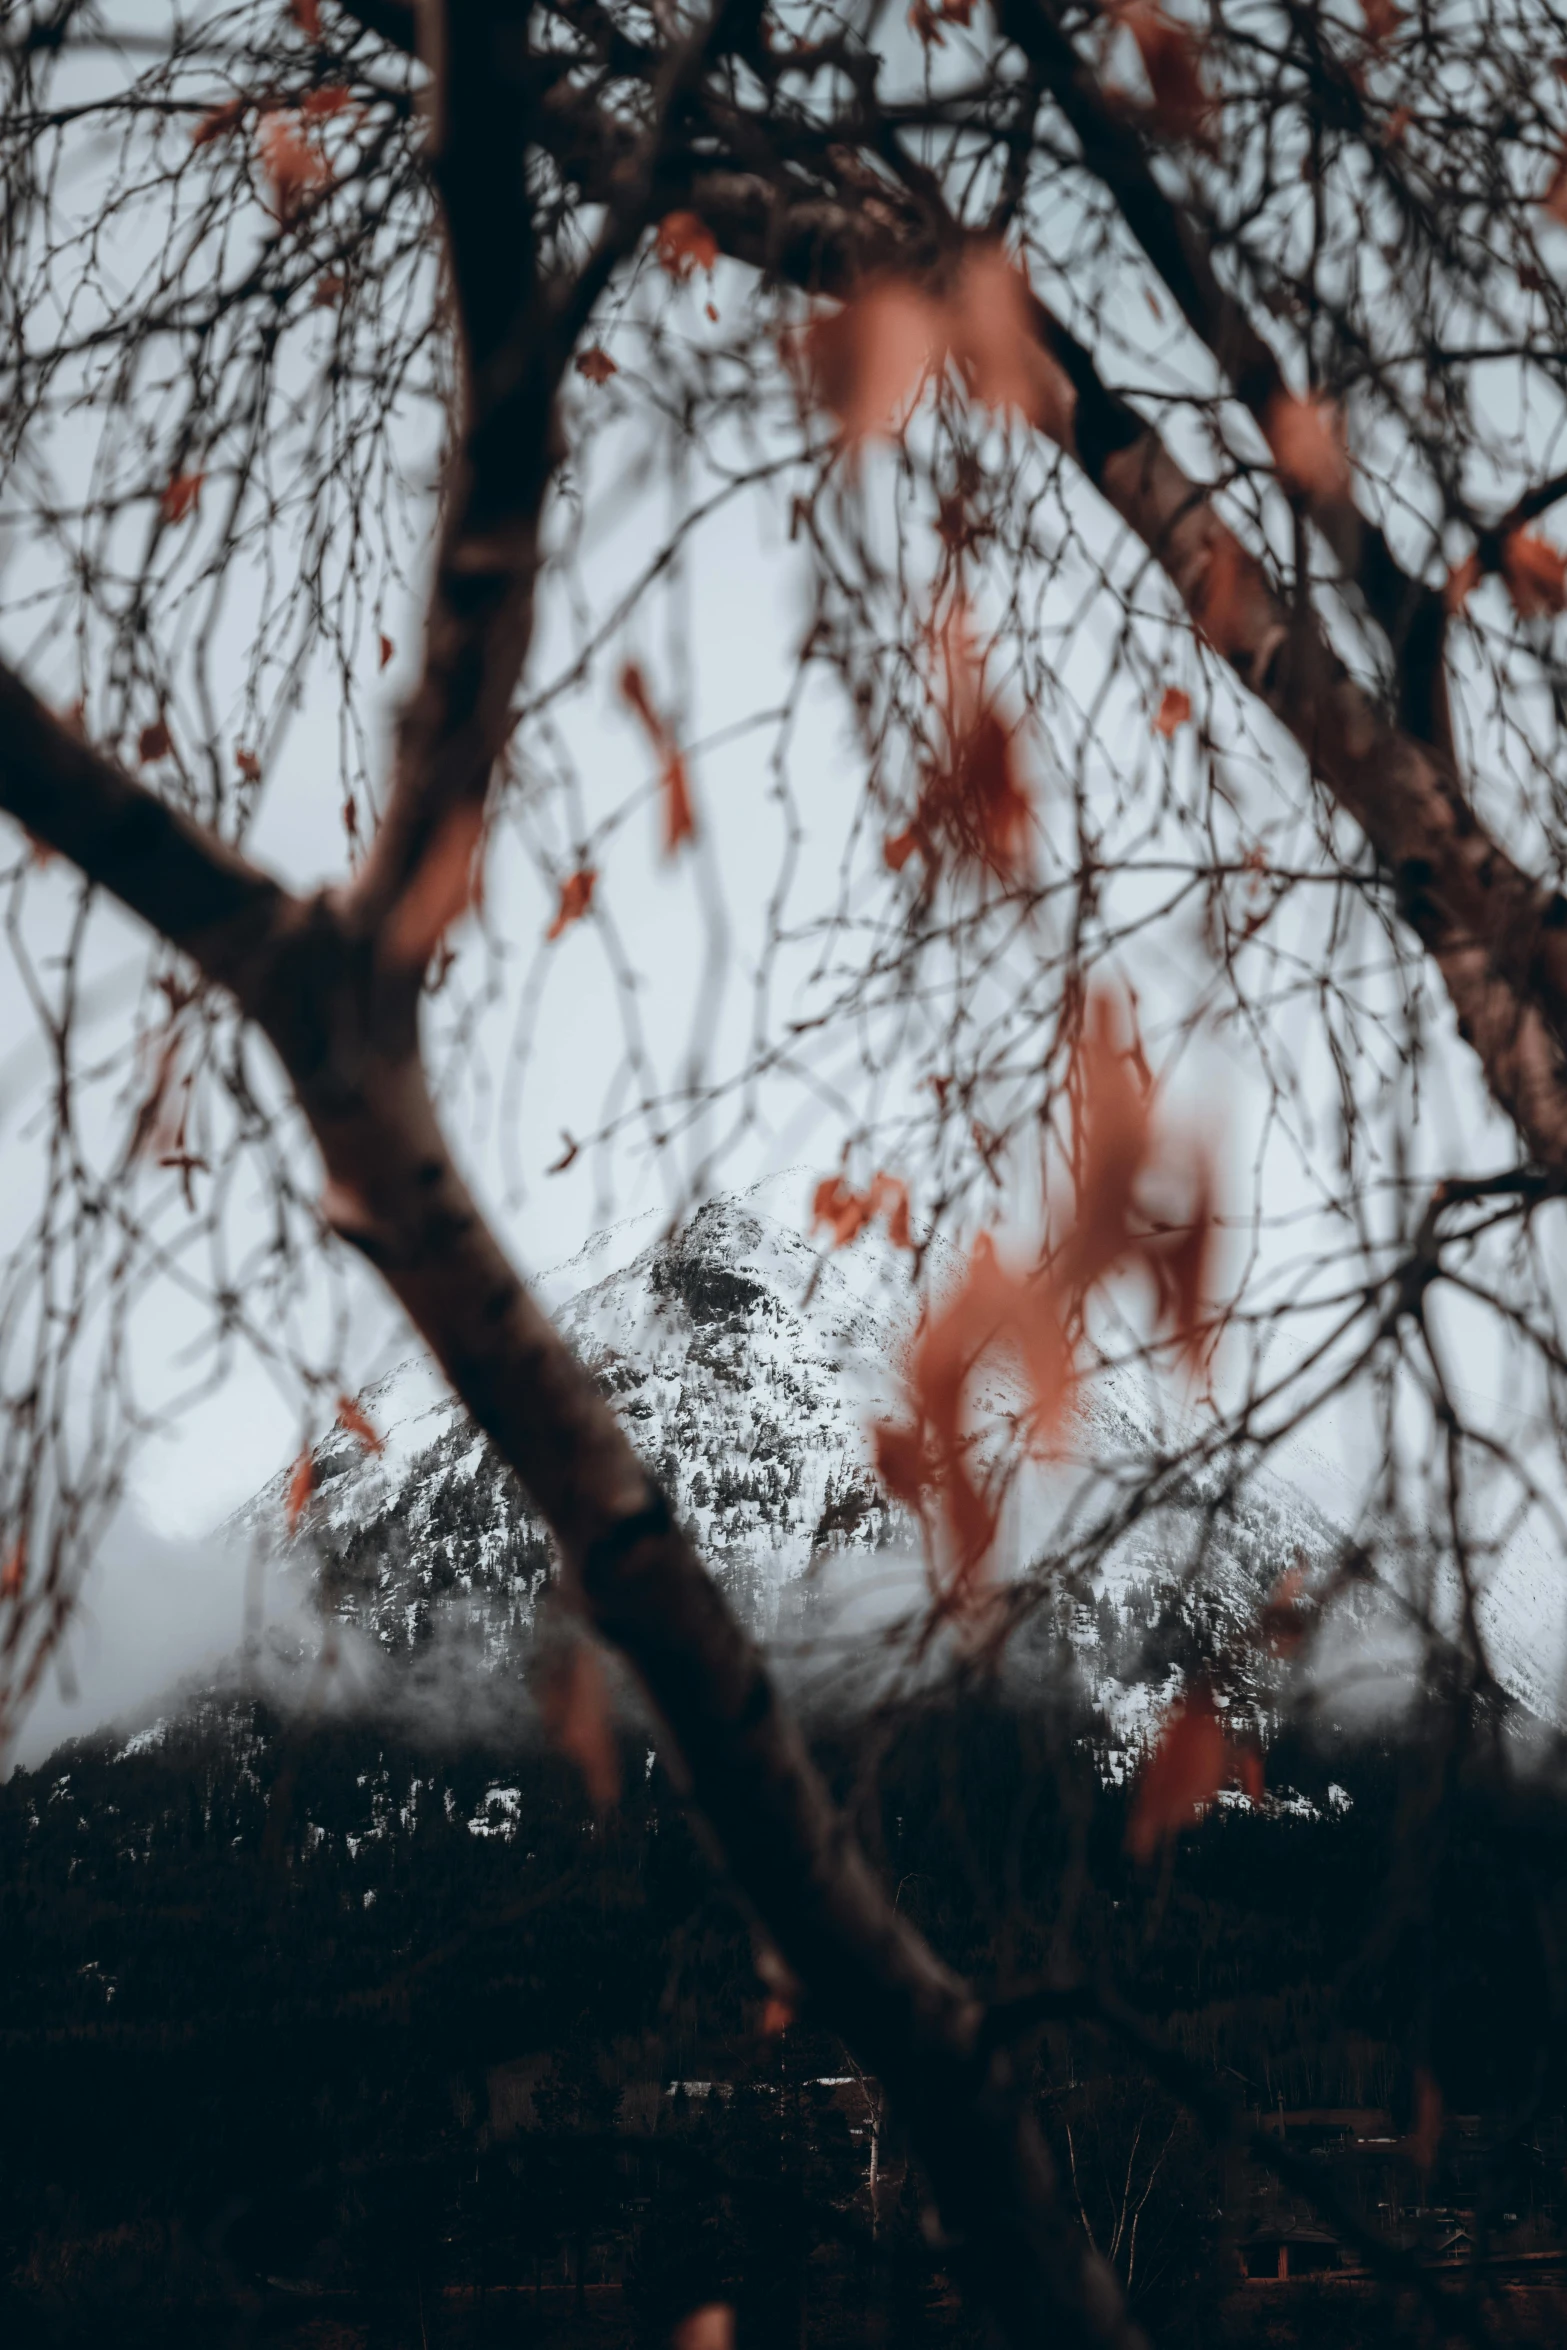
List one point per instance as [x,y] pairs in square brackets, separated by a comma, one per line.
[748,1368]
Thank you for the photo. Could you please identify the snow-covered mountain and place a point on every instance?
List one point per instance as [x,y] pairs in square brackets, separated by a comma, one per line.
[749,1367]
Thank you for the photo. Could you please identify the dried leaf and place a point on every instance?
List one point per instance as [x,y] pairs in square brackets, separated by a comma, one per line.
[576,896]
[331,98]
[249,765]
[569,1151]
[685,244]
[1462,581]
[712,2327]
[596,364]
[329,291]
[868,359]
[1172,60]
[153,742]
[993,333]
[899,847]
[1307,440]
[927,17]
[843,1210]
[15,1573]
[300,1487]
[899,1454]
[894,1199]
[972,802]
[353,1418]
[385,647]
[1535,572]
[181,496]
[442,889]
[1382,19]
[219,121]
[1191,1762]
[307,15]
[1174,710]
[575,1705]
[1035,1315]
[674,783]
[675,792]
[295,168]
[777,2016]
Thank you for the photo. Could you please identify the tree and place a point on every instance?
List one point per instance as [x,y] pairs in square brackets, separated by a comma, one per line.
[1163,409]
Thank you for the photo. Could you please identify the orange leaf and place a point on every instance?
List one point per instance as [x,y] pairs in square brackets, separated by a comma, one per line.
[899,847]
[153,742]
[927,17]
[300,1487]
[354,1419]
[674,783]
[973,798]
[868,359]
[15,1574]
[712,2327]
[441,890]
[179,499]
[1172,60]
[218,121]
[1554,199]
[596,364]
[576,896]
[1462,581]
[1535,572]
[329,291]
[675,787]
[777,2016]
[331,98]
[1218,599]
[685,243]
[844,1211]
[386,648]
[992,328]
[892,1193]
[295,169]
[1035,1315]
[1114,1123]
[249,765]
[1184,1773]
[575,1705]
[307,15]
[1174,710]
[1382,19]
[1307,440]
